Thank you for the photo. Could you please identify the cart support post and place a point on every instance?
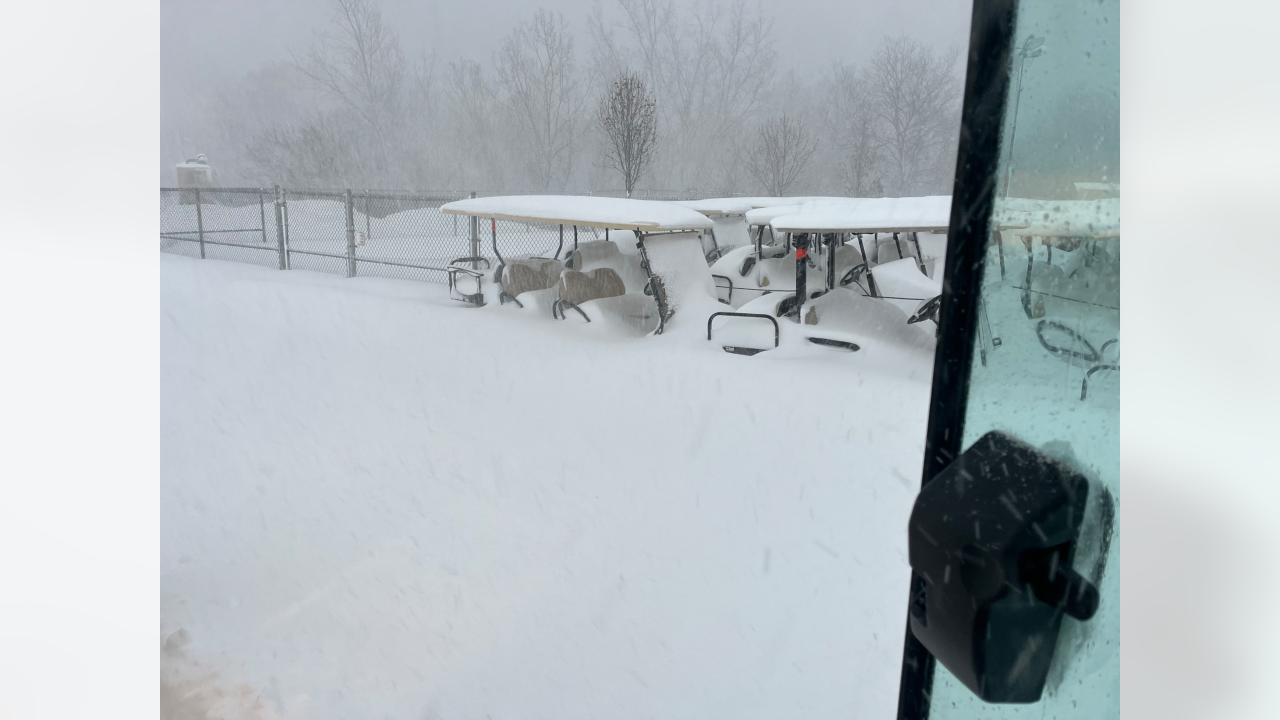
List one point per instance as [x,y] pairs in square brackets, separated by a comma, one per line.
[999,241]
[831,264]
[802,270]
[915,237]
[653,282]
[871,280]
[493,235]
[475,238]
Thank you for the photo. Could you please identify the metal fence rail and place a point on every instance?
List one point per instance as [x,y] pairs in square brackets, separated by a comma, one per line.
[236,224]
[362,233]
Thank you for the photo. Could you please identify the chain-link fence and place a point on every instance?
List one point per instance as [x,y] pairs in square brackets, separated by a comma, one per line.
[360,233]
[237,224]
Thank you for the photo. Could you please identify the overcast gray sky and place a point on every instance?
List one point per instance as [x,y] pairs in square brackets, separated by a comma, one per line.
[207,40]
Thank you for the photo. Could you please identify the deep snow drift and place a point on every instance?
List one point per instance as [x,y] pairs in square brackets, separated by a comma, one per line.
[377,503]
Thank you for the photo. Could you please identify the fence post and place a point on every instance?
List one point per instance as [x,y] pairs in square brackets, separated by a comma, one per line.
[366,215]
[288,241]
[200,223]
[475,239]
[262,212]
[351,237]
[284,265]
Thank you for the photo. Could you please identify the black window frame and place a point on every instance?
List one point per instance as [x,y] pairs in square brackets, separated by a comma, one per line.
[986,94]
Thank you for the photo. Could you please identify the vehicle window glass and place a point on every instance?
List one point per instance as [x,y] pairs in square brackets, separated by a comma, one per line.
[1047,351]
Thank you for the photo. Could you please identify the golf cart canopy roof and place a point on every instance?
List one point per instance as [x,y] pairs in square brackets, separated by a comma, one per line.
[1096,219]
[601,212]
[910,214]
[717,206]
[766,215]
[741,205]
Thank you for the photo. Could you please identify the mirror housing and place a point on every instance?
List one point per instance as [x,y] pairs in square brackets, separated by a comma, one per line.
[991,543]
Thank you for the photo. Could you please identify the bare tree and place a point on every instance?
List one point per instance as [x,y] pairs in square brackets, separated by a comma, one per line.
[479,138]
[362,114]
[627,117]
[782,149]
[536,70]
[310,153]
[709,69]
[915,98]
[359,64]
[853,128]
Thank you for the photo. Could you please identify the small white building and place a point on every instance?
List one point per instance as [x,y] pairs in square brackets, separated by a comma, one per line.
[194,173]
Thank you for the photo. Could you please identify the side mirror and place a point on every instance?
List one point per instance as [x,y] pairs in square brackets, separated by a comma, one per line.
[992,539]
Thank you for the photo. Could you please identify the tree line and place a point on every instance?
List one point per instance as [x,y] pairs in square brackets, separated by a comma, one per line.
[662,97]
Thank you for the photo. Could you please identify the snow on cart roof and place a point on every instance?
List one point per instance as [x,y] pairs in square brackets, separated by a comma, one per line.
[764,202]
[741,205]
[909,214]
[766,215]
[1096,219]
[601,212]
[717,206]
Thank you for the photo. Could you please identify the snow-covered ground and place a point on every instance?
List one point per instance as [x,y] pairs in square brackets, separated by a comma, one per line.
[377,503]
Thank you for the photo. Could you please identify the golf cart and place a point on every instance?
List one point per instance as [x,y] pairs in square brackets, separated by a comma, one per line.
[729,228]
[640,285]
[827,236]
[1074,302]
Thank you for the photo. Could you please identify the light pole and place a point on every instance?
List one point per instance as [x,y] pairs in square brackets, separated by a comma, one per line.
[1030,49]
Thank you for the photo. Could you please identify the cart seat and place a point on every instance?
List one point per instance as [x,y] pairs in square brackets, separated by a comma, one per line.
[595,254]
[523,275]
[579,287]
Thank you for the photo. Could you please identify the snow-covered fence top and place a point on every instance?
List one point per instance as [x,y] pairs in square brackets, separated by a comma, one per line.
[601,212]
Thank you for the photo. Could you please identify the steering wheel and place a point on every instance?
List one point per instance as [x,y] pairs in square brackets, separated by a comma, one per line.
[927,311]
[1090,355]
[854,273]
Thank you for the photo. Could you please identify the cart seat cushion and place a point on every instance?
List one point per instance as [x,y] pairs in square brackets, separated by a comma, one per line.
[599,252]
[608,254]
[579,287]
[524,275]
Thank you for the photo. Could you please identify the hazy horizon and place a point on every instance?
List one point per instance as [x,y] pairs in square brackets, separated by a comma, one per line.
[231,87]
[202,41]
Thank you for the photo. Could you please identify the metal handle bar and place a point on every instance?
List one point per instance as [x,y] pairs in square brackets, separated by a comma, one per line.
[728,280]
[770,318]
